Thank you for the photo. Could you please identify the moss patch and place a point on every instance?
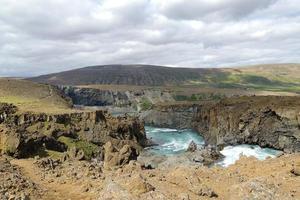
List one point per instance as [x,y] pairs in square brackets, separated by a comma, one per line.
[88,148]
[146,104]
[54,154]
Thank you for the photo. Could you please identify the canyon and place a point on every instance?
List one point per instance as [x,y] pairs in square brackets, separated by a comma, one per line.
[266,121]
[90,141]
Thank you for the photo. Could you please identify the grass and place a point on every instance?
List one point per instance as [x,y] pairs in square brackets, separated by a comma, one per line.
[246,80]
[199,97]
[146,104]
[88,148]
[54,154]
[34,97]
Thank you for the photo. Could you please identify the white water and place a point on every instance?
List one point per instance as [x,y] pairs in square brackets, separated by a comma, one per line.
[173,141]
[233,153]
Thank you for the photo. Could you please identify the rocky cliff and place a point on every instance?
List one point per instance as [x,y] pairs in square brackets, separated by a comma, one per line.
[266,121]
[171,116]
[135,98]
[25,133]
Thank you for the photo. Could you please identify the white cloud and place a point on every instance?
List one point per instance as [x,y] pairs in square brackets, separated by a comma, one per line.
[47,36]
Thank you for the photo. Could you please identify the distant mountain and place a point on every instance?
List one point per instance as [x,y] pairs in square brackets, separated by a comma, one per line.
[125,75]
[271,77]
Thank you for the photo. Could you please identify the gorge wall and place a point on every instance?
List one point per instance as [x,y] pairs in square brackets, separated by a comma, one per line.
[120,98]
[266,121]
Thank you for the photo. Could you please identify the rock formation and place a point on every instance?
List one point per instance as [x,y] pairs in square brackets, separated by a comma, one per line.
[192,147]
[266,121]
[114,157]
[134,98]
[25,133]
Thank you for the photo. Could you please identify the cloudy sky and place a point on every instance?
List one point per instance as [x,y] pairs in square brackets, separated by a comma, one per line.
[43,36]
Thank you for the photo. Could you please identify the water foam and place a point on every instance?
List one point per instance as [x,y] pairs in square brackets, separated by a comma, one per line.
[173,141]
[233,153]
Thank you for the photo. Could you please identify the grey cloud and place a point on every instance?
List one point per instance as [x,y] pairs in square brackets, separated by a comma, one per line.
[212,10]
[47,36]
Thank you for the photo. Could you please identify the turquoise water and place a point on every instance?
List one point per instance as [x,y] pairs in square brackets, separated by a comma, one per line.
[173,141]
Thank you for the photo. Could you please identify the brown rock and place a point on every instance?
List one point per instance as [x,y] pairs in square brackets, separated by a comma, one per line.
[138,185]
[206,191]
[192,147]
[296,169]
[114,158]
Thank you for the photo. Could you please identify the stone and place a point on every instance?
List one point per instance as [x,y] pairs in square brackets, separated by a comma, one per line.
[206,191]
[192,147]
[296,169]
[80,155]
[138,185]
[207,155]
[114,158]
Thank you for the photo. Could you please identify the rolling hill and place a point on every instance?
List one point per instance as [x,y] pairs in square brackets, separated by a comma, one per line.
[272,77]
[34,97]
[125,75]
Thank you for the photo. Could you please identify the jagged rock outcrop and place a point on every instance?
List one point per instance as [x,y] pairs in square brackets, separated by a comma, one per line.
[266,121]
[22,134]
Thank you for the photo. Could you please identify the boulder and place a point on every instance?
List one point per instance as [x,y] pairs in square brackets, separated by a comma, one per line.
[192,147]
[137,185]
[76,154]
[296,169]
[207,155]
[114,158]
[208,192]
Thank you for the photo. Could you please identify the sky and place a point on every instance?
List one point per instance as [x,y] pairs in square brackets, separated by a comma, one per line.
[45,36]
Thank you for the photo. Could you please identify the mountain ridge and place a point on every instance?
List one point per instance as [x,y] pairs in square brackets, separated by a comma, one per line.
[277,76]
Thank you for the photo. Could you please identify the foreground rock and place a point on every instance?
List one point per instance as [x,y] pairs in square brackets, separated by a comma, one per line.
[266,121]
[14,185]
[114,158]
[247,179]
[205,156]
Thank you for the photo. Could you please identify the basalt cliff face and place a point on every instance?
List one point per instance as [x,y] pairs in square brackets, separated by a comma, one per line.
[135,98]
[25,133]
[266,121]
[96,97]
[178,116]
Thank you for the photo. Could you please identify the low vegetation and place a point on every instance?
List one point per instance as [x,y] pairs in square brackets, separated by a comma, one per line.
[145,104]
[34,97]
[88,148]
[200,97]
